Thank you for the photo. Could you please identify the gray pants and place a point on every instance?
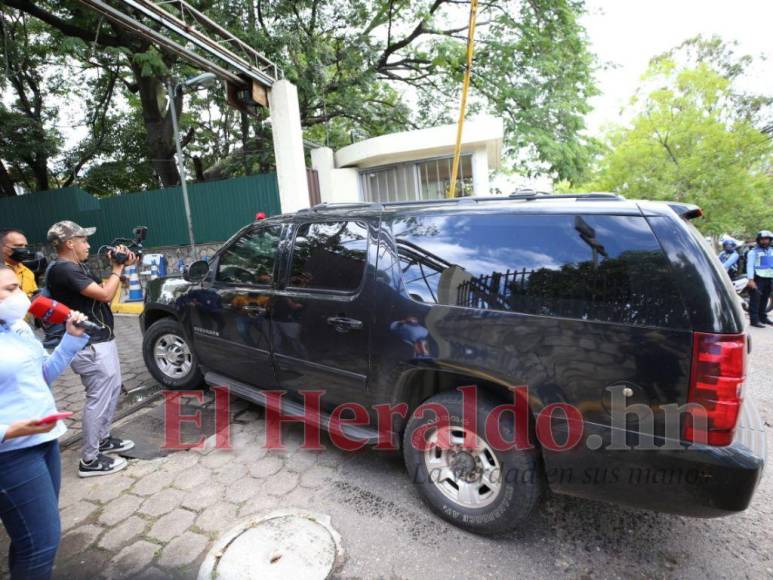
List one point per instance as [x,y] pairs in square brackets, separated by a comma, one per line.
[100,372]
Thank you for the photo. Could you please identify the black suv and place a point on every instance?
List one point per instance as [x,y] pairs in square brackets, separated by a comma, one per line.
[588,344]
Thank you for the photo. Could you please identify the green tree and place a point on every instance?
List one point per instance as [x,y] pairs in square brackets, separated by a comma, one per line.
[27,141]
[365,68]
[362,67]
[44,69]
[695,138]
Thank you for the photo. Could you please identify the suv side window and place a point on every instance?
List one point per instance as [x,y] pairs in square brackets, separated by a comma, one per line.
[590,267]
[251,258]
[329,256]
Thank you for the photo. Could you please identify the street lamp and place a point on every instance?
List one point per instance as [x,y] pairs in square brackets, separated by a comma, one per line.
[197,82]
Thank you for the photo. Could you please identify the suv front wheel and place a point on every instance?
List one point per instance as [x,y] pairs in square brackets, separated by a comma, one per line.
[169,357]
[475,487]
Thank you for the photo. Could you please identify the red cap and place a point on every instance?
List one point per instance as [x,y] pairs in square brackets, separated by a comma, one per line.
[260,216]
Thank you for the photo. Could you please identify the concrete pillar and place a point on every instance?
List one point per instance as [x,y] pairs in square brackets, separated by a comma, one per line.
[288,146]
[480,181]
[323,161]
[346,186]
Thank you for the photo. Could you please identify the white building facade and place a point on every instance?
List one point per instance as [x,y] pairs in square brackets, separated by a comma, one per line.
[413,165]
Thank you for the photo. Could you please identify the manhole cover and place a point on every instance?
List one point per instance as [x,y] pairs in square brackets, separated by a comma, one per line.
[287,544]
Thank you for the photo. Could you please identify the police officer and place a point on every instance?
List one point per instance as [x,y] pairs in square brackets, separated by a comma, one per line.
[729,257]
[759,269]
[14,250]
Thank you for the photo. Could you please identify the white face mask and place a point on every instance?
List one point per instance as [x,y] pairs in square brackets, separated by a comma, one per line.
[13,308]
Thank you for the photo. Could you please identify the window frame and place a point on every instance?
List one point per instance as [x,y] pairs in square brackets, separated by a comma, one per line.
[249,230]
[288,263]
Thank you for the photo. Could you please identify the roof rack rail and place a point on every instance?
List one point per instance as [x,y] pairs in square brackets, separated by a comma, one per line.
[432,201]
[526,195]
[531,195]
[343,205]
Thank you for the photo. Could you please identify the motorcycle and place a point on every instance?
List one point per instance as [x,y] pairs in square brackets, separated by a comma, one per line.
[741,289]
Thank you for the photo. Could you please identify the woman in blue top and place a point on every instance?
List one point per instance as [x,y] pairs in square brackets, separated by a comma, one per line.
[29,453]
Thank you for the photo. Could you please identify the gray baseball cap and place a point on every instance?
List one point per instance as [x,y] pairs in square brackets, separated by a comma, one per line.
[66,230]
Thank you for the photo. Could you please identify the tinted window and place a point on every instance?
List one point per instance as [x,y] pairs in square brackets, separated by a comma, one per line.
[330,256]
[607,268]
[250,260]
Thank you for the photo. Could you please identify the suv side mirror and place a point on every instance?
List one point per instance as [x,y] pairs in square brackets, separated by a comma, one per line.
[197,271]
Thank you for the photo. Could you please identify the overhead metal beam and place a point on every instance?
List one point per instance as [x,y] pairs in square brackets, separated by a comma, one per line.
[252,55]
[239,64]
[204,42]
[148,33]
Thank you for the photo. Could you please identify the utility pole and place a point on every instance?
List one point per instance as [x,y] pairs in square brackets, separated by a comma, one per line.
[199,82]
[172,90]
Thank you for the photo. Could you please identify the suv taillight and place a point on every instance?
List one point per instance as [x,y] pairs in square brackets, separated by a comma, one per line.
[716,380]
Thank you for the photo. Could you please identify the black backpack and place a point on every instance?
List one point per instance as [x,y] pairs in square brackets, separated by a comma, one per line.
[53,332]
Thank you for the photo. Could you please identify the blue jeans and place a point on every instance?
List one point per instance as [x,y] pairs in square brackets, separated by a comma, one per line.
[29,508]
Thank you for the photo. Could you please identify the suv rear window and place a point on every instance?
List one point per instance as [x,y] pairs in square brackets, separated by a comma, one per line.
[589,267]
[329,256]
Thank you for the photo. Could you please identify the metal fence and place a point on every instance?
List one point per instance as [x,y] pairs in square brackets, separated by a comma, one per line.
[218,209]
[491,291]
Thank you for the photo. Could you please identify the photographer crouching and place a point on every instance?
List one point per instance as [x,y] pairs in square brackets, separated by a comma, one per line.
[30,469]
[70,282]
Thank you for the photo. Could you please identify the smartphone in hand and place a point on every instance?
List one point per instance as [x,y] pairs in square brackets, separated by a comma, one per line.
[54,417]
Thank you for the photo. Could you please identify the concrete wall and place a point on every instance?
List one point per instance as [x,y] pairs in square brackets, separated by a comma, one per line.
[339,171]
[486,132]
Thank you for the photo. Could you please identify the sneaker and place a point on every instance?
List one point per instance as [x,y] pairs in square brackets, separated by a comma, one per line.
[758,325]
[102,465]
[115,445]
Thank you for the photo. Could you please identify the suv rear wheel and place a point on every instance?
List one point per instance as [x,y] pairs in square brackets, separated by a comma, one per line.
[169,357]
[480,489]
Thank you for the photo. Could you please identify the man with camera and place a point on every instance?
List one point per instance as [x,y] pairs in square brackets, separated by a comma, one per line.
[70,282]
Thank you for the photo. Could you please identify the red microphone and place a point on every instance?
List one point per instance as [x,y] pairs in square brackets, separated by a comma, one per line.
[53,312]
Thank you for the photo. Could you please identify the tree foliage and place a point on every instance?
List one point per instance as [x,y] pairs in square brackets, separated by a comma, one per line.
[695,137]
[363,68]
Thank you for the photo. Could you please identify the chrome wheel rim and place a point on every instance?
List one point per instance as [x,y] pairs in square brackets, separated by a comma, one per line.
[469,476]
[172,356]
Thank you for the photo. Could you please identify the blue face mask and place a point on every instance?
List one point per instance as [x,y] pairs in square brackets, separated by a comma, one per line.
[14,308]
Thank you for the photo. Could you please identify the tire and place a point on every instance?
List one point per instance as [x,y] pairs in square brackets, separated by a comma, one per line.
[496,511]
[169,357]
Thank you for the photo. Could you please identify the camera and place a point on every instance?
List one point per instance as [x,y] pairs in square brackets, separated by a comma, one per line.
[132,244]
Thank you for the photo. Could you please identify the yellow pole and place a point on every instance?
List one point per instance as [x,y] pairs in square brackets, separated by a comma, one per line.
[465,90]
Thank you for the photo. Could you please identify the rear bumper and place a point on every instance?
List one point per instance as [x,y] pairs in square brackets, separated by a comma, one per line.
[698,480]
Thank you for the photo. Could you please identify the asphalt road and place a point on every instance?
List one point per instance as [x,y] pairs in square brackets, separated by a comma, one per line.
[389,533]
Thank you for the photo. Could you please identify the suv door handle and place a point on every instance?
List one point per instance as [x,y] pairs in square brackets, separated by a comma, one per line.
[344,324]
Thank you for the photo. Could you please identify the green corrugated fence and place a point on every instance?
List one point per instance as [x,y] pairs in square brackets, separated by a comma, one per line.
[218,209]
